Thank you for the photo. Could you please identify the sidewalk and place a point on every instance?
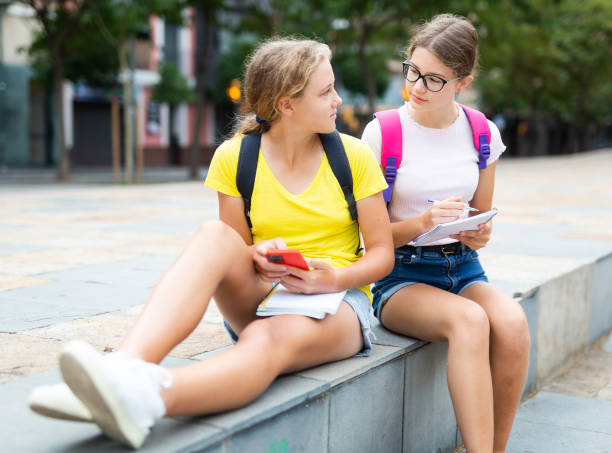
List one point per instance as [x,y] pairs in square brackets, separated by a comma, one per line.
[78,261]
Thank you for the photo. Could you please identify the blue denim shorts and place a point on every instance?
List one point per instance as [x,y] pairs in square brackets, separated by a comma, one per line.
[450,272]
[360,303]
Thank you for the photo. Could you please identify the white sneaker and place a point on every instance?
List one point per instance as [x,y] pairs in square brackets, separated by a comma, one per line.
[58,401]
[123,394]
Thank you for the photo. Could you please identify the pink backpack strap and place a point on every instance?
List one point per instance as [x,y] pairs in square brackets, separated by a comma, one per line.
[391,146]
[481,134]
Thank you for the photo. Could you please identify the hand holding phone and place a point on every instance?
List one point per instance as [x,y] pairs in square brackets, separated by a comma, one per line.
[289,257]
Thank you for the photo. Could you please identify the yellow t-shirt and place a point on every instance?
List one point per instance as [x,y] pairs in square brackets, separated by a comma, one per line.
[317,221]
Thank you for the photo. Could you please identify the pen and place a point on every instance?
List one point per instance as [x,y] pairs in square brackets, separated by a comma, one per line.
[469,208]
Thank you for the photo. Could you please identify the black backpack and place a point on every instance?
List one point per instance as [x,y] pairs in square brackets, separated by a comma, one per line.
[334,150]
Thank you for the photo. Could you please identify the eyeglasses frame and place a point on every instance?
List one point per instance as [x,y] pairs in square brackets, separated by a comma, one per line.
[406,64]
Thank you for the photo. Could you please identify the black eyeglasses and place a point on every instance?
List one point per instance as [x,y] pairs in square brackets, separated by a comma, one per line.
[432,82]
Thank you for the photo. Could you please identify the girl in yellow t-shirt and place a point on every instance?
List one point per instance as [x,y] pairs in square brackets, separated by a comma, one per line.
[297,202]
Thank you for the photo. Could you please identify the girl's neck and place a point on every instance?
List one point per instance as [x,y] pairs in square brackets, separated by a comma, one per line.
[435,119]
[287,143]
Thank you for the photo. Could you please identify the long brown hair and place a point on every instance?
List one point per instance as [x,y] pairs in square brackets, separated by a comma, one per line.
[278,67]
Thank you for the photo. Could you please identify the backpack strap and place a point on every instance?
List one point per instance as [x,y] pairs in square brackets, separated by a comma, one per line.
[338,161]
[391,147]
[336,156]
[481,134]
[247,168]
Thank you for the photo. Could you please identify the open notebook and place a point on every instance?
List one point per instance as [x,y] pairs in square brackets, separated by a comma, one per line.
[281,301]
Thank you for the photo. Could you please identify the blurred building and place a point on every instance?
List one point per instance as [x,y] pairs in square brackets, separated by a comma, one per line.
[26,118]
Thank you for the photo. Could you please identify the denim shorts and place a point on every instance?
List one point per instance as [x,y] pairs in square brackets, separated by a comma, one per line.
[360,303]
[450,272]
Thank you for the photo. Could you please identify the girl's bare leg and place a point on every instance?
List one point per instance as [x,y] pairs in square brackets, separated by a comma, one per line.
[509,355]
[266,348]
[215,260]
[425,312]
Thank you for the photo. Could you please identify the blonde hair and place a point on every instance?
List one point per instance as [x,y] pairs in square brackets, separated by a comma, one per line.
[277,68]
[453,39]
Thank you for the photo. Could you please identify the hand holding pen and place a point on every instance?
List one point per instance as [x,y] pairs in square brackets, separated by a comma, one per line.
[443,211]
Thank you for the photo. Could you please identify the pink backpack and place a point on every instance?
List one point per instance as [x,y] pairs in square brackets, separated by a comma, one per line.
[391,132]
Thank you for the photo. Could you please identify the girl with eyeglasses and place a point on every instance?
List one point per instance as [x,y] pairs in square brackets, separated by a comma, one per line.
[439,291]
[297,202]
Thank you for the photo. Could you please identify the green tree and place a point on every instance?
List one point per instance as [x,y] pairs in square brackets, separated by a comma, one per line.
[172,89]
[121,22]
[547,59]
[59,21]
[364,34]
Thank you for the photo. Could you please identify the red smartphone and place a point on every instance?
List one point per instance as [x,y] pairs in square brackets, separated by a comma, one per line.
[290,257]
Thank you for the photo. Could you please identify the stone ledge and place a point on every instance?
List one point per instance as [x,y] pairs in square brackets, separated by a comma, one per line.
[386,402]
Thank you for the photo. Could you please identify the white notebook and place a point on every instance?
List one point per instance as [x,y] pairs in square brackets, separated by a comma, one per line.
[444,230]
[281,302]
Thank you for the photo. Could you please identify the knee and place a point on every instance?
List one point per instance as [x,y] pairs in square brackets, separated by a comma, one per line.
[513,332]
[471,326]
[259,334]
[214,229]
[217,232]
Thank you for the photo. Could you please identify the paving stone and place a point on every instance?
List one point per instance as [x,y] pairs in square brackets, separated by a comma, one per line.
[587,376]
[54,260]
[562,424]
[35,350]
[531,437]
[8,282]
[568,411]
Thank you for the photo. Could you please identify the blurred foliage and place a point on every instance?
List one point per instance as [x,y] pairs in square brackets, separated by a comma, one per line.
[92,53]
[547,58]
[538,57]
[172,87]
[230,66]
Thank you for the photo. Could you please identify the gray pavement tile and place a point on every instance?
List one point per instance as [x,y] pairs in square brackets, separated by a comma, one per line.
[13,249]
[39,306]
[531,437]
[551,422]
[578,211]
[568,412]
[142,272]
[171,226]
[545,240]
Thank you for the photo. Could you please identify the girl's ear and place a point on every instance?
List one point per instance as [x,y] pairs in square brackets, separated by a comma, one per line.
[285,106]
[464,83]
